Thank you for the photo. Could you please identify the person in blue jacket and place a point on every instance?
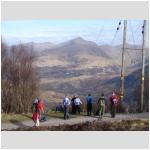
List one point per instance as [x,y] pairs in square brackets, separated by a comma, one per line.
[89,100]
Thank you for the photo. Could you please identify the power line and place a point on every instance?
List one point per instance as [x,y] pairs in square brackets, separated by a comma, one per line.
[100,32]
[117,29]
[136,50]
[130,25]
[139,27]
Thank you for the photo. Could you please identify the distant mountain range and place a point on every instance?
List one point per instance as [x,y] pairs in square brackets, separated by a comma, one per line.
[79,54]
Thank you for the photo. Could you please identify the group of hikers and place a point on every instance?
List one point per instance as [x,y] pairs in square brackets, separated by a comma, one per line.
[76,103]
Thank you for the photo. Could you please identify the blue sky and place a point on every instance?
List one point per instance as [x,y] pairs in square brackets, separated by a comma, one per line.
[57,31]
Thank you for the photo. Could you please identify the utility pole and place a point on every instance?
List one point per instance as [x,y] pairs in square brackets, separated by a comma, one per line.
[143,65]
[123,59]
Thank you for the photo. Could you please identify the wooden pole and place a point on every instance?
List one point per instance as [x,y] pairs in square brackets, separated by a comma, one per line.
[123,59]
[143,65]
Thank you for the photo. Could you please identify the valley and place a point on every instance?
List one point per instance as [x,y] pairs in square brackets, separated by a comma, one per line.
[80,66]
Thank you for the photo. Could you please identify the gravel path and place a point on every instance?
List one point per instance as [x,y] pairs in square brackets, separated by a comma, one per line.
[74,120]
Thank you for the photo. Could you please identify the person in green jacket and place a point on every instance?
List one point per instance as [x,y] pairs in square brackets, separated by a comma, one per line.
[101,105]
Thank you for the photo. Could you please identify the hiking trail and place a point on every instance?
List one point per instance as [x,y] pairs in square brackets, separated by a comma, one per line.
[74,120]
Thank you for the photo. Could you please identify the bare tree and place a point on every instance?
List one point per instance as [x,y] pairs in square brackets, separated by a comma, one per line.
[19,78]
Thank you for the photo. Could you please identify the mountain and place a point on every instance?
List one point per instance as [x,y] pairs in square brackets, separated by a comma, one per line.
[82,67]
[79,54]
[133,54]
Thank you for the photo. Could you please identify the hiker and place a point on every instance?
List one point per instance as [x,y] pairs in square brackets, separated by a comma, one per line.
[113,104]
[59,107]
[77,103]
[66,103]
[36,116]
[73,105]
[40,108]
[34,104]
[101,105]
[89,100]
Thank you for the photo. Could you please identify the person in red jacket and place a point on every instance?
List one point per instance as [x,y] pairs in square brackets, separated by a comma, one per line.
[35,116]
[40,108]
[113,104]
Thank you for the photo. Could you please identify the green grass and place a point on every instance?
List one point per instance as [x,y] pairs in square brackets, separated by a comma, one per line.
[6,118]
[15,117]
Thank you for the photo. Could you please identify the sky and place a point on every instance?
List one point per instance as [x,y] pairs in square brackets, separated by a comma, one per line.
[57,31]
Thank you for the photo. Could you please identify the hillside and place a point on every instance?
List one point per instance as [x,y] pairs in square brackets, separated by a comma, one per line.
[81,66]
[132,88]
[80,54]
[77,53]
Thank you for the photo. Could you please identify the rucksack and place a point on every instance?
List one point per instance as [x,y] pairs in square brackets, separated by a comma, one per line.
[44,118]
[101,101]
[66,102]
[34,106]
[115,101]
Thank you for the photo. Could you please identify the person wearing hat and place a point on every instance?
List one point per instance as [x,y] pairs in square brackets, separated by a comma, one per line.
[101,105]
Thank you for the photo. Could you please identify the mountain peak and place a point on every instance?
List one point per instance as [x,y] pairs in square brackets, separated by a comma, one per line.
[80,40]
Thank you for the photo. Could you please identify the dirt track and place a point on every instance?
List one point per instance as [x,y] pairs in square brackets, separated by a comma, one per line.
[75,120]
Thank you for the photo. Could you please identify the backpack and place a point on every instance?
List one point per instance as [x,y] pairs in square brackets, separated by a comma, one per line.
[115,102]
[101,101]
[34,106]
[66,102]
[44,118]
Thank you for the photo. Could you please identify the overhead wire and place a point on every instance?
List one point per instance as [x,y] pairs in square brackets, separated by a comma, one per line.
[114,38]
[115,35]
[100,32]
[133,60]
